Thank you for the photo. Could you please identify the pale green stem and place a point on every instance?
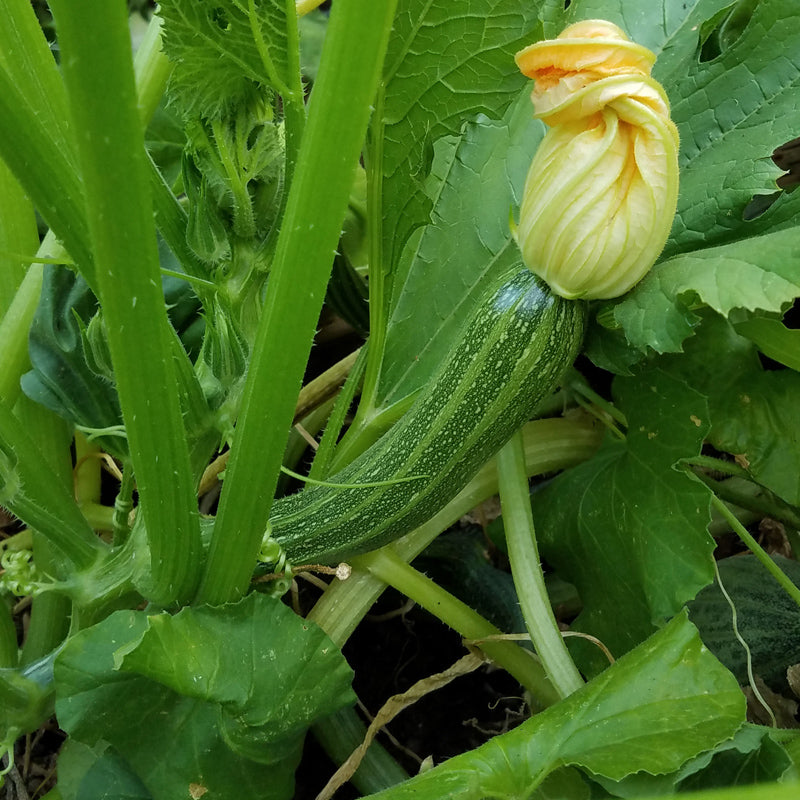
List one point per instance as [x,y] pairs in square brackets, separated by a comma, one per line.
[526,568]
[386,565]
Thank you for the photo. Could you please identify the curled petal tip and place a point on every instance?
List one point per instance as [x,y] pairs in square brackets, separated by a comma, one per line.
[602,189]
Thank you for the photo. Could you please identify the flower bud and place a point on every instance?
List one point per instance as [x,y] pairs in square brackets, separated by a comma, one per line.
[602,189]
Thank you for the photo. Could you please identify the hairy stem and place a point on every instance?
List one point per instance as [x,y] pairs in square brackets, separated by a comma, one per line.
[339,109]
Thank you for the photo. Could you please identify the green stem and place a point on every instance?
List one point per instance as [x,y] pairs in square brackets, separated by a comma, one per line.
[36,142]
[172,221]
[325,452]
[753,497]
[756,549]
[17,235]
[104,110]
[123,505]
[386,565]
[88,471]
[377,280]
[294,107]
[9,653]
[340,734]
[579,385]
[526,569]
[339,109]
[30,492]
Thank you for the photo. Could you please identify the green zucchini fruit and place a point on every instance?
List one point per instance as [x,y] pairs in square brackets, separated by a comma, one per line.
[512,352]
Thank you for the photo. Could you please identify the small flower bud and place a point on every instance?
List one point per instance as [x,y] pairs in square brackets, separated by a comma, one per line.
[602,189]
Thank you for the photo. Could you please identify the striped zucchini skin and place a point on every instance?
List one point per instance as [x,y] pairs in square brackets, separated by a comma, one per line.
[515,347]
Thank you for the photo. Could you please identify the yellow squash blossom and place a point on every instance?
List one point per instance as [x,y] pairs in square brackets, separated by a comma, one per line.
[601,193]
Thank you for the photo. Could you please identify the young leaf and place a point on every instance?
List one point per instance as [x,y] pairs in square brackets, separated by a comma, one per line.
[625,527]
[226,53]
[61,377]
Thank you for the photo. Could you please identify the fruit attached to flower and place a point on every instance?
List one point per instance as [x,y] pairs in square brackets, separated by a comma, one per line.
[602,189]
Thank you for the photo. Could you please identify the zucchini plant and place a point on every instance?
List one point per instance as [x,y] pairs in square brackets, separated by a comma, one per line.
[180,193]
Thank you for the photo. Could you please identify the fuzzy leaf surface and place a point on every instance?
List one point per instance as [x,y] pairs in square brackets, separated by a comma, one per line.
[219,64]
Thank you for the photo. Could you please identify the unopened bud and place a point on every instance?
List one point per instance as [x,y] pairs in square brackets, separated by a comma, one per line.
[602,189]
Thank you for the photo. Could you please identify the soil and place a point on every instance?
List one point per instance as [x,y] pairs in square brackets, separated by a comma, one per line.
[393,648]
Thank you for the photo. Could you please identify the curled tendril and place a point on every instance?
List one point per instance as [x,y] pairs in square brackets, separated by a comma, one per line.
[7,751]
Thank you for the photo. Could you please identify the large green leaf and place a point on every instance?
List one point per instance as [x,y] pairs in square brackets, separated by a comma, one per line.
[479,179]
[446,63]
[731,113]
[99,773]
[653,710]
[220,697]
[670,28]
[758,273]
[626,528]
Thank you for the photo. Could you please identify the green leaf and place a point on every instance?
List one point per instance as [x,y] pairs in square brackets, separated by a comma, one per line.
[99,773]
[468,243]
[654,709]
[753,412]
[626,528]
[225,53]
[60,378]
[731,113]
[670,28]
[759,273]
[445,65]
[773,339]
[751,756]
[205,652]
[252,675]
